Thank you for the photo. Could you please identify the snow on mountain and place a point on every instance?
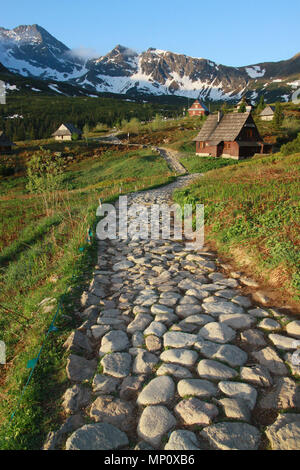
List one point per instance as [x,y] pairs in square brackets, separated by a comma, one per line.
[32,52]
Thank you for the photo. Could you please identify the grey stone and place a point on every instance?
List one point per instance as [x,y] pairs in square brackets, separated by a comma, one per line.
[114,341]
[144,363]
[155,328]
[169,298]
[196,387]
[232,436]
[258,313]
[221,307]
[113,411]
[122,266]
[99,436]
[184,357]
[130,386]
[98,331]
[186,310]
[198,320]
[182,440]
[269,358]
[284,395]
[269,324]
[284,434]
[159,391]
[193,411]
[239,390]
[80,369]
[105,385]
[217,332]
[178,339]
[153,343]
[213,370]
[237,321]
[283,342]
[141,321]
[138,339]
[174,370]
[117,364]
[158,309]
[257,375]
[236,408]
[254,338]
[78,342]
[154,423]
[76,398]
[230,354]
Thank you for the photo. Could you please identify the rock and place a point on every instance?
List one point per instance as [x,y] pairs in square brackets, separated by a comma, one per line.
[144,363]
[260,297]
[154,423]
[143,446]
[141,321]
[269,358]
[232,436]
[197,320]
[221,307]
[159,391]
[182,440]
[188,300]
[253,338]
[213,370]
[114,341]
[153,343]
[248,282]
[138,340]
[169,298]
[175,370]
[158,309]
[207,348]
[146,300]
[184,357]
[100,436]
[258,313]
[217,332]
[80,369]
[257,375]
[155,328]
[242,301]
[122,266]
[230,354]
[236,408]
[130,386]
[105,385]
[239,390]
[237,321]
[117,364]
[98,331]
[283,342]
[87,299]
[269,324]
[167,318]
[284,434]
[284,395]
[78,342]
[178,339]
[113,411]
[75,398]
[293,365]
[184,311]
[196,387]
[293,328]
[193,411]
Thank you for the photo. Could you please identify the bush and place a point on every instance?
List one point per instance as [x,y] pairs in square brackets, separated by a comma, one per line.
[291,147]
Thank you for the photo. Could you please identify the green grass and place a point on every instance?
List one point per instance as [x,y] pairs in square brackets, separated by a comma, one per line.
[252,215]
[40,258]
[195,164]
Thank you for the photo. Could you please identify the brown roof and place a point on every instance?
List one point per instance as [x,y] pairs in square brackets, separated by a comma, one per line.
[70,129]
[227,129]
[4,140]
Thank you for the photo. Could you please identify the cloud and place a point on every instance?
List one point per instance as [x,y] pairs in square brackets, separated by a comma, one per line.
[84,53]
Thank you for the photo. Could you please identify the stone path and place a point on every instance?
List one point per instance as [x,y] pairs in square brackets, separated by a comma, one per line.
[171,159]
[170,355]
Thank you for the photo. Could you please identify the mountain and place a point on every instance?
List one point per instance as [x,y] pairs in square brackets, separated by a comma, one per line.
[32,52]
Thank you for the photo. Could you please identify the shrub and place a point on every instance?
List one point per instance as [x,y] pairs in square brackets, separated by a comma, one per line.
[291,147]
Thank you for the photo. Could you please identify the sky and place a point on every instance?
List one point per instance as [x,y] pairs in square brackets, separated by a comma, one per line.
[230,32]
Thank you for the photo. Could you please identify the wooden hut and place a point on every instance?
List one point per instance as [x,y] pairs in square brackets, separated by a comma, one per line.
[66,131]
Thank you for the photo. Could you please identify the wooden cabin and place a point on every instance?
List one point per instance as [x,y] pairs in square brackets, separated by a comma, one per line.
[5,143]
[198,109]
[233,135]
[267,114]
[65,132]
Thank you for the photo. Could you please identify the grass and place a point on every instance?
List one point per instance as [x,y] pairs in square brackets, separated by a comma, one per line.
[195,164]
[40,258]
[252,216]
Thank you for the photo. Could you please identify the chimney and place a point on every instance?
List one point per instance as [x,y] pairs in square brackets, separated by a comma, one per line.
[220,115]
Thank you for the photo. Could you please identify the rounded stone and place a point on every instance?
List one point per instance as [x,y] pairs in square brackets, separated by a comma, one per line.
[193,411]
[99,436]
[217,332]
[293,328]
[160,390]
[232,436]
[184,357]
[196,387]
[239,390]
[117,364]
[154,423]
[182,440]
[115,340]
[214,370]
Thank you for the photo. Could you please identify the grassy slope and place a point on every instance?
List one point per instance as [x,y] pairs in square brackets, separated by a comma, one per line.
[252,216]
[40,258]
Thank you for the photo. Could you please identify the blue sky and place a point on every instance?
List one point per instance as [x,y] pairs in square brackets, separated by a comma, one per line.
[230,32]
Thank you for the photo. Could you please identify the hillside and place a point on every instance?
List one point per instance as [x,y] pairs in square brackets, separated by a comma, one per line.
[31,51]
